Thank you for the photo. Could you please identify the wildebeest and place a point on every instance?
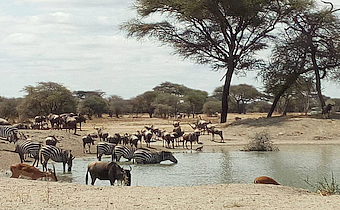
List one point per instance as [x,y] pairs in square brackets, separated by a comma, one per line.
[191,137]
[115,139]
[326,110]
[214,131]
[147,138]
[54,120]
[80,118]
[265,180]
[101,134]
[51,140]
[70,124]
[107,171]
[87,140]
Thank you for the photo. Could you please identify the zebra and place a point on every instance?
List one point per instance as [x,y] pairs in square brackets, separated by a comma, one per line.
[28,147]
[9,132]
[104,148]
[57,155]
[123,151]
[148,157]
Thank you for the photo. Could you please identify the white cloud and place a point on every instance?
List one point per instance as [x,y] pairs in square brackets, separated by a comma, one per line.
[77,43]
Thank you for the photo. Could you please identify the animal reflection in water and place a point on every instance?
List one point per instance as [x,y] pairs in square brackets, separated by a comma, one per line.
[108,171]
[265,180]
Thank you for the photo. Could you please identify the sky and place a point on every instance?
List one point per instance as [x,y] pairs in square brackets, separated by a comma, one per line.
[78,44]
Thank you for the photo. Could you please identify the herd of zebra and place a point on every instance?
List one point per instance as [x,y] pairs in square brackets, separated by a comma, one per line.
[38,151]
[117,146]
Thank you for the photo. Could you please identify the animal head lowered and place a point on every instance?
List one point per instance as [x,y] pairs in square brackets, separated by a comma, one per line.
[69,159]
[127,176]
[265,180]
[34,173]
[168,156]
[107,171]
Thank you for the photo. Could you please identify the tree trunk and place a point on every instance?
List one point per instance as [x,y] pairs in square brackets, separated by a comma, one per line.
[289,82]
[317,73]
[239,109]
[225,94]
[284,113]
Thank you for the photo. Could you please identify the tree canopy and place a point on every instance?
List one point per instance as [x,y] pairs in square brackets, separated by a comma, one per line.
[46,98]
[223,34]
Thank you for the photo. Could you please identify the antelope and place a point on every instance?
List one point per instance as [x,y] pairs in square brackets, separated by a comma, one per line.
[32,172]
[265,180]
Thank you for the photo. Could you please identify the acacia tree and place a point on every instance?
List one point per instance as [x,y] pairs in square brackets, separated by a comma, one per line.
[46,98]
[309,45]
[244,94]
[116,105]
[196,100]
[224,34]
[145,102]
[321,31]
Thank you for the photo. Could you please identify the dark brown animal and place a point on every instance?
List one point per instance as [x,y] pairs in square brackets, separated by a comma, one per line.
[107,171]
[51,140]
[87,140]
[265,180]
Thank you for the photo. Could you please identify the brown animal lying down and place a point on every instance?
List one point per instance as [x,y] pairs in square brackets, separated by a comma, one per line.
[31,172]
[265,180]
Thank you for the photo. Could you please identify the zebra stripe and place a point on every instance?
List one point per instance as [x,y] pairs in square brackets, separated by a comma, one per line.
[10,133]
[123,151]
[28,147]
[57,155]
[148,157]
[104,148]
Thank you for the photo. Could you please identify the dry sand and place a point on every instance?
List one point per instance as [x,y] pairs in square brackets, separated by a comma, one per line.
[28,194]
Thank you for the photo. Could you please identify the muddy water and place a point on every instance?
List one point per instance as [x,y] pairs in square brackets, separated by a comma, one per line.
[290,166]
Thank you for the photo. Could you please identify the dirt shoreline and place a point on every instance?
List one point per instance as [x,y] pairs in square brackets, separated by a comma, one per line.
[28,194]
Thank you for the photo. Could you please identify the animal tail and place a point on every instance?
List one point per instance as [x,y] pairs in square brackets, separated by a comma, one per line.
[87,176]
[41,159]
[97,152]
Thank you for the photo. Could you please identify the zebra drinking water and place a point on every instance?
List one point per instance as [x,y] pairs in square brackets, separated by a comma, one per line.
[57,155]
[104,148]
[28,147]
[10,133]
[148,157]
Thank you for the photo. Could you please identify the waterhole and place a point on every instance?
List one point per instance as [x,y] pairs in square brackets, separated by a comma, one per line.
[290,166]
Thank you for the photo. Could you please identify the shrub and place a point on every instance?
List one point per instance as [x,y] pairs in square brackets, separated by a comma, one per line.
[324,187]
[260,142]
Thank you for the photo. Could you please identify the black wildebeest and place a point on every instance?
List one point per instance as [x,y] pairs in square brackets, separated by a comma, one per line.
[107,171]
[51,140]
[326,110]
[87,140]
